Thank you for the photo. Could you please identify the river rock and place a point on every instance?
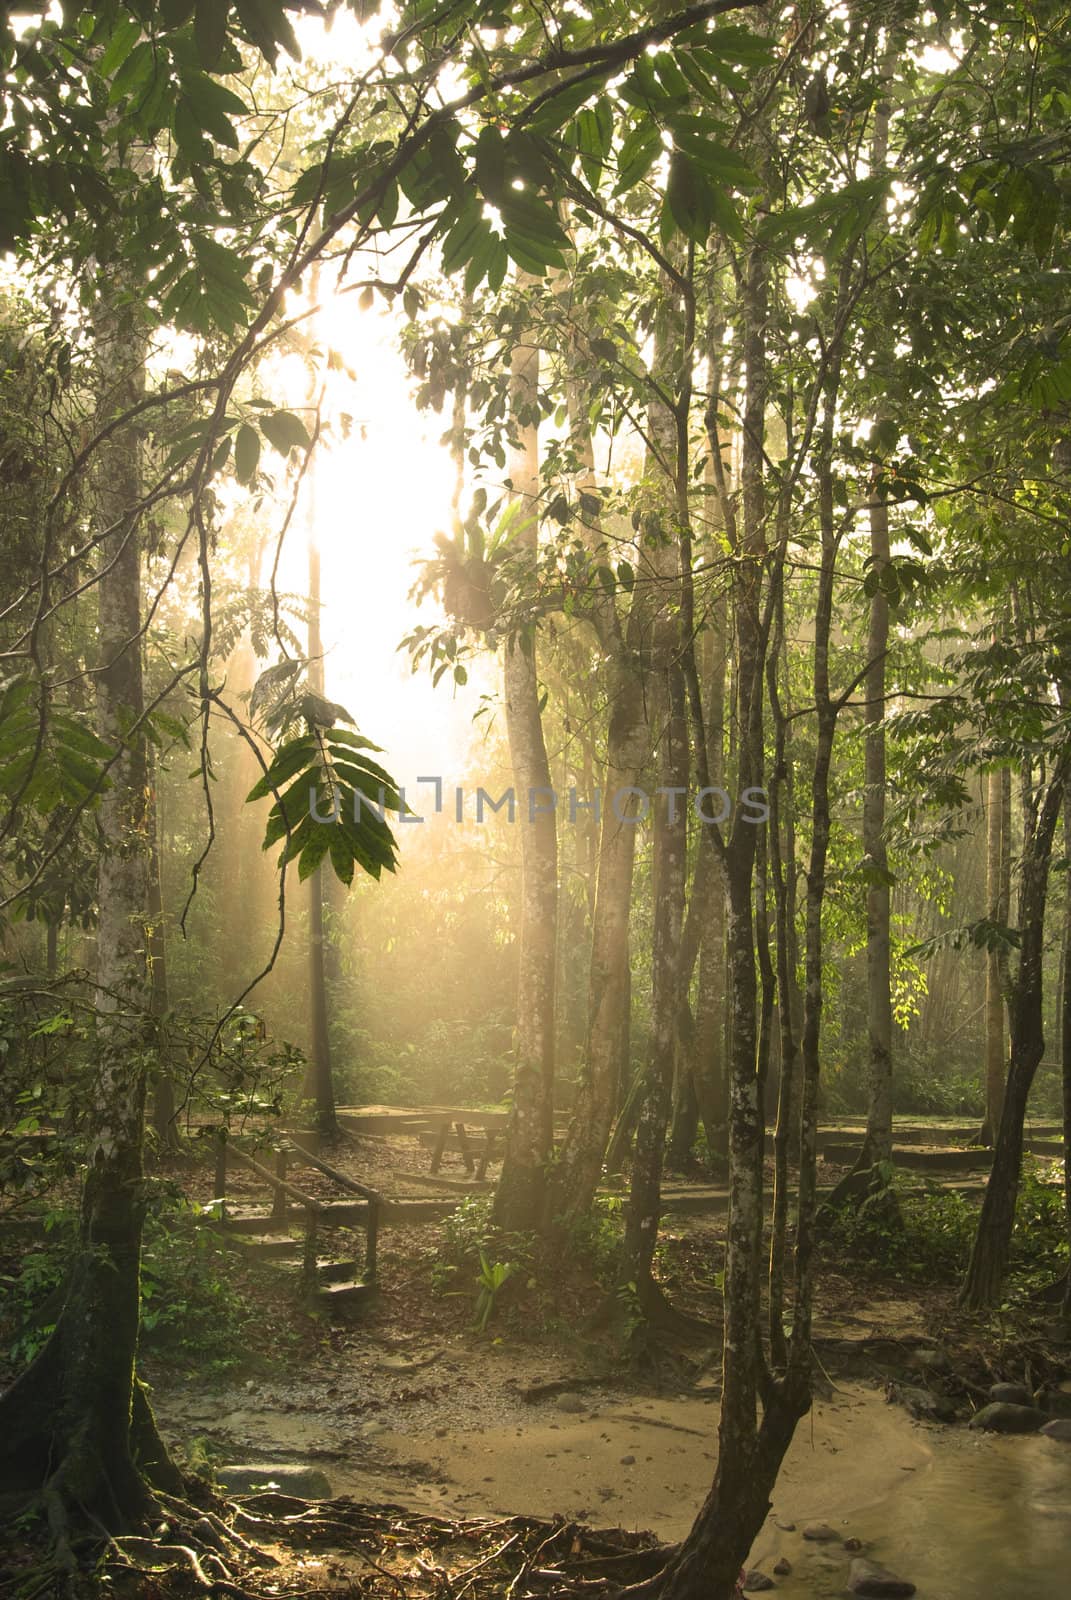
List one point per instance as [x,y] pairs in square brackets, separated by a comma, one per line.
[821,1533]
[1011,1394]
[755,1582]
[1057,1402]
[1059,1429]
[925,1406]
[305,1483]
[867,1578]
[931,1361]
[1002,1417]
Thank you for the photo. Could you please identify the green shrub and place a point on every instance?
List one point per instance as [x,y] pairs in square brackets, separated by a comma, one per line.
[190,1310]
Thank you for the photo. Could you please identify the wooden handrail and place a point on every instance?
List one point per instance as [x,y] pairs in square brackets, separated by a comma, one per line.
[277,1184]
[340,1178]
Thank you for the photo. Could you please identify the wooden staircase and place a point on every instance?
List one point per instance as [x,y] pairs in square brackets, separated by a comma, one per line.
[299,1235]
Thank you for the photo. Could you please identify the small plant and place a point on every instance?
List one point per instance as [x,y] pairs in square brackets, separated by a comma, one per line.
[443,1274]
[596,1237]
[490,1281]
[468,1229]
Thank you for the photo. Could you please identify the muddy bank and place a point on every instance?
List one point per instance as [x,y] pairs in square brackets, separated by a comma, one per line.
[961,1515]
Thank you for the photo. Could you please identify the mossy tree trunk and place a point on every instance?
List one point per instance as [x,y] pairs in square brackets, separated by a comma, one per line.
[992,1241]
[76,1426]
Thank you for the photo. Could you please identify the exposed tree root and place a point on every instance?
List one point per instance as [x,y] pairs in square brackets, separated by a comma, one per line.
[382,1552]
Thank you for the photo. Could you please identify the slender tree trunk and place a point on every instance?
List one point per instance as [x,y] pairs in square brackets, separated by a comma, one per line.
[992,1242]
[783,872]
[319,1087]
[749,1453]
[997,911]
[878,1143]
[521,1193]
[711,1078]
[163,1100]
[1065,1042]
[670,851]
[605,1069]
[580,1160]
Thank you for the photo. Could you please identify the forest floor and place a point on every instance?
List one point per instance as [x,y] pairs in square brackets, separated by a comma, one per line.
[549,1420]
[541,1413]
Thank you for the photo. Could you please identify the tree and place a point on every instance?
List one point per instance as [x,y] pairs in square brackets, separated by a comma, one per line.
[519,1197]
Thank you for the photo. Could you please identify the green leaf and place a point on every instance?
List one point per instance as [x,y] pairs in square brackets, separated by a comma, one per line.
[317,847]
[341,857]
[637,156]
[210,31]
[285,432]
[119,46]
[268,26]
[246,453]
[290,759]
[134,74]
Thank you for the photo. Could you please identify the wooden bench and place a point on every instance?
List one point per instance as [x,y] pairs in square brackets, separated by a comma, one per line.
[475,1149]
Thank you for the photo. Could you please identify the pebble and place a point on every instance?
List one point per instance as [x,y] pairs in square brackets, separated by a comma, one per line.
[820,1532]
[628,1461]
[570,1403]
[1059,1429]
[867,1578]
[755,1582]
[853,1544]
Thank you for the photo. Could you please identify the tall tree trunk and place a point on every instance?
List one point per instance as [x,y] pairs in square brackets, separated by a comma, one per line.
[992,1242]
[782,844]
[319,1087]
[749,1452]
[878,1143]
[163,1099]
[1065,1041]
[75,1421]
[996,909]
[604,1072]
[711,1078]
[668,884]
[668,554]
[521,1192]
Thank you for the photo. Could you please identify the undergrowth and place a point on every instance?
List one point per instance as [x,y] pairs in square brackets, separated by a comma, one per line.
[192,1314]
[927,1238]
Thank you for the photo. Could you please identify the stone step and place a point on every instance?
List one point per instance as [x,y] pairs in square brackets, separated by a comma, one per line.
[266,1246]
[345,1298]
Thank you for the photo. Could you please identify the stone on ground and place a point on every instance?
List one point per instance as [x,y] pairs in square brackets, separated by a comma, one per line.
[868,1578]
[1001,1417]
[1012,1394]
